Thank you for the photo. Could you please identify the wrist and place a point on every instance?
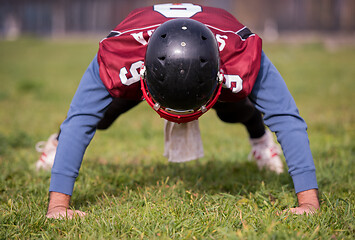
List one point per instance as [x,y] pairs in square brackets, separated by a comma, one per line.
[58,201]
[308,199]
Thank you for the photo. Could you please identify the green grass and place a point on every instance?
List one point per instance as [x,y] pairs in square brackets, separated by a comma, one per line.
[131,191]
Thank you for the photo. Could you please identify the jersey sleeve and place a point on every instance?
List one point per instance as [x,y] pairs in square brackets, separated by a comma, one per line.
[240,64]
[120,59]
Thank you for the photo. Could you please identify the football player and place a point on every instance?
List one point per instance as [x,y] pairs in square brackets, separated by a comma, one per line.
[183,60]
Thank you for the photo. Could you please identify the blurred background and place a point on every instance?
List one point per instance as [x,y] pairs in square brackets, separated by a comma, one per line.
[271,19]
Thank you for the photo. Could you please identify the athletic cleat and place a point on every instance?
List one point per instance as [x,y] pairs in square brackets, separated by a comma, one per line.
[266,153]
[48,149]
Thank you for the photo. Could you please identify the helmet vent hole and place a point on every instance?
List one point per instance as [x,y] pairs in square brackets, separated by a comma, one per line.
[161,58]
[202,60]
[163,36]
[203,38]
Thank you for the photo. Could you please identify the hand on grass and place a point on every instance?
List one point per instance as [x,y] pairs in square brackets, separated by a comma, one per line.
[64,213]
[302,209]
[307,201]
[58,207]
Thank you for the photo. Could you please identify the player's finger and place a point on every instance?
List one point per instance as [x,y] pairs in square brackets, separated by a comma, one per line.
[80,213]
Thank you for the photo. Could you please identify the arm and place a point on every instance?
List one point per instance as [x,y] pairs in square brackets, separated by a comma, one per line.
[272,98]
[307,202]
[58,206]
[87,108]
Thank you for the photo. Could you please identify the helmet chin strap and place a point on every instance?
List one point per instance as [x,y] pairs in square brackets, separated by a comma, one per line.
[177,115]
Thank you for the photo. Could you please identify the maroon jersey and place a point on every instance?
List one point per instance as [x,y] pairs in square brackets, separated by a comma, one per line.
[122,53]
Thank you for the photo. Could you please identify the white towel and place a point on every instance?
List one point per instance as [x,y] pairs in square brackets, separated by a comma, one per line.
[182,141]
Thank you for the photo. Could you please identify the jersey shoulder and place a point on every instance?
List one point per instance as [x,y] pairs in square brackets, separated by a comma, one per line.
[140,18]
[157,14]
[218,18]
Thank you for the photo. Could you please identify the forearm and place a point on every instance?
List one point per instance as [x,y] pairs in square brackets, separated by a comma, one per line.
[73,141]
[272,98]
[294,141]
[86,110]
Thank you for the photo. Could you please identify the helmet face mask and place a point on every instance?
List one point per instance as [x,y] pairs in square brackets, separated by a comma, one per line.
[181,72]
[179,116]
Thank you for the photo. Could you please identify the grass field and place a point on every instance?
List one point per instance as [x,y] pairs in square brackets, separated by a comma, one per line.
[131,191]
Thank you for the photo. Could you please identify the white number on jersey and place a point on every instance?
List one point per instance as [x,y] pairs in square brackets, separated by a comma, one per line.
[221,41]
[177,10]
[139,38]
[234,83]
[134,70]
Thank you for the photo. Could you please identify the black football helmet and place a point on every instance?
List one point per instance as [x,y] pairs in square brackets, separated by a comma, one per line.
[180,77]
